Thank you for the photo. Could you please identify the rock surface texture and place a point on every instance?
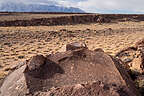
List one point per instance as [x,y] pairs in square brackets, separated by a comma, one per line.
[133,57]
[76,72]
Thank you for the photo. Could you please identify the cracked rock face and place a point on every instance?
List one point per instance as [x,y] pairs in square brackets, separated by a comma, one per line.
[89,89]
[75,72]
[133,57]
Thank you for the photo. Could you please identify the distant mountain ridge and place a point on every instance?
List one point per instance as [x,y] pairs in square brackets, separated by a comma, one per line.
[20,7]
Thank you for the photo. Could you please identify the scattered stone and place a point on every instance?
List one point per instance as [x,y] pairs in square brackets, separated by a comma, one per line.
[20,57]
[63,30]
[127,60]
[88,29]
[48,40]
[139,43]
[7,43]
[75,45]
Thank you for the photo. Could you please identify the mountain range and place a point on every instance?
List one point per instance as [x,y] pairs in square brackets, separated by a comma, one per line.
[21,7]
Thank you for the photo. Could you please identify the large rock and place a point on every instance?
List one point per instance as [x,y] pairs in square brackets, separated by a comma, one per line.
[133,57]
[79,72]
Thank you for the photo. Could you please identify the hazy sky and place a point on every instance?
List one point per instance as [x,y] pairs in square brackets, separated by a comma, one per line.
[109,6]
[97,6]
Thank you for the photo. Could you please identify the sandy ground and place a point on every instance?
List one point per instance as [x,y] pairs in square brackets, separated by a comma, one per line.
[20,43]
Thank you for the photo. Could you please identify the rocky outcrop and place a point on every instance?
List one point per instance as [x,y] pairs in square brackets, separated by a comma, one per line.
[75,18]
[75,72]
[133,57]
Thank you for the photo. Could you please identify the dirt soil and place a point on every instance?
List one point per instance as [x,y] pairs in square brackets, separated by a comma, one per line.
[21,43]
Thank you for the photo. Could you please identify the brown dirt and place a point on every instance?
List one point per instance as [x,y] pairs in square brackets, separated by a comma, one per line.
[21,43]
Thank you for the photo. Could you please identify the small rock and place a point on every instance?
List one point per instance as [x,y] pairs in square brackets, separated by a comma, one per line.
[48,40]
[139,43]
[7,43]
[63,30]
[127,60]
[20,57]
[36,62]
[99,50]
[75,45]
[78,86]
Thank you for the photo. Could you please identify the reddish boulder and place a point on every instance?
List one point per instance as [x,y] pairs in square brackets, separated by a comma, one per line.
[78,72]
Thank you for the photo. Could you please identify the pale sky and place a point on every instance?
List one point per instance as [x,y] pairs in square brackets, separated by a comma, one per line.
[108,6]
[95,6]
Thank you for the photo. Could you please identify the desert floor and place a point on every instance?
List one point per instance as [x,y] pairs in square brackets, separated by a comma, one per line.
[29,16]
[21,43]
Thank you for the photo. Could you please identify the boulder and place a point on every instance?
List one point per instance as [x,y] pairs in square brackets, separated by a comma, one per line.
[78,72]
[133,57]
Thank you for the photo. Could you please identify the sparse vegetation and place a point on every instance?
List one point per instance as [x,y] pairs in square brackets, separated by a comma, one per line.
[21,43]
